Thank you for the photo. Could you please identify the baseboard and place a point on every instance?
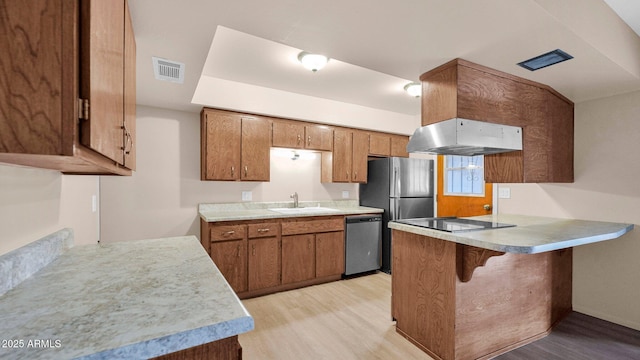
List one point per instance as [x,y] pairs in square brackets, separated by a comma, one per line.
[606,317]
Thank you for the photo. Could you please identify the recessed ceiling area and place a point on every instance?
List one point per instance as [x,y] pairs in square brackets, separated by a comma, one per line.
[237,51]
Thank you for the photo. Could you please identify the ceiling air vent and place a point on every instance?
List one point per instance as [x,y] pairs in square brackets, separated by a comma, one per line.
[168,70]
[544,60]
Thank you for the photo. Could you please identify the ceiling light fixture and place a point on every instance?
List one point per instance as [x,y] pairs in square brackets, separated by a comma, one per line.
[414,89]
[313,62]
[544,60]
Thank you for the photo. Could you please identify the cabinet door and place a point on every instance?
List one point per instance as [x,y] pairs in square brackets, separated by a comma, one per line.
[102,76]
[399,146]
[298,258]
[264,262]
[256,144]
[359,157]
[342,148]
[221,146]
[231,259]
[318,137]
[329,253]
[288,134]
[129,93]
[379,145]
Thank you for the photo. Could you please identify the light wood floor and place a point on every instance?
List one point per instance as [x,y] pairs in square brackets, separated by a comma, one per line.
[348,319]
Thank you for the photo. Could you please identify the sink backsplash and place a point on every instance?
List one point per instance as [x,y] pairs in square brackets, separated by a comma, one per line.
[242,206]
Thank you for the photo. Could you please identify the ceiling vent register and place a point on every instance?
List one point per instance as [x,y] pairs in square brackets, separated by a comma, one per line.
[168,70]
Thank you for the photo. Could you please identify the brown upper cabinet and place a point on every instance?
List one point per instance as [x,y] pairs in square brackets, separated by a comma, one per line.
[234,146]
[466,90]
[399,145]
[379,144]
[348,161]
[295,135]
[68,89]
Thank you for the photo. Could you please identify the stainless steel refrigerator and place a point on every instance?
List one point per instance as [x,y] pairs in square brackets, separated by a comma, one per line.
[403,187]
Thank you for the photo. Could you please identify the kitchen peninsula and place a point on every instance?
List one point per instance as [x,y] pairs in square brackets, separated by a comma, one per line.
[475,295]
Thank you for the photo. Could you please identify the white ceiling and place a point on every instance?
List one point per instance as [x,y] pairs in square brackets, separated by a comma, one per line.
[378,46]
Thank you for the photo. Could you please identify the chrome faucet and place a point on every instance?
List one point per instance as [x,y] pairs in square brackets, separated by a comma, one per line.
[295,199]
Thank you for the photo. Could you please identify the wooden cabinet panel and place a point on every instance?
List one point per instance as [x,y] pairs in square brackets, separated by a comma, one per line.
[399,146]
[264,262]
[129,93]
[263,230]
[360,141]
[102,68]
[231,259]
[466,90]
[330,254]
[227,232]
[288,134]
[80,53]
[256,142]
[224,349]
[298,258]
[312,226]
[221,145]
[342,156]
[318,137]
[379,144]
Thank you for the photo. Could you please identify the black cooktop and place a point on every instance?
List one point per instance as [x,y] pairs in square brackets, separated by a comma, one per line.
[453,224]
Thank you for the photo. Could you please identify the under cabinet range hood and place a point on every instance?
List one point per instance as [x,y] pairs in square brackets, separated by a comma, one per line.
[465,137]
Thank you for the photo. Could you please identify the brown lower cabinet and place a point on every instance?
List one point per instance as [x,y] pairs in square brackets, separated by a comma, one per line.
[259,258]
[223,349]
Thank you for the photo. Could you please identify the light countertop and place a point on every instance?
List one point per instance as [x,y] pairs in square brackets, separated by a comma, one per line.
[260,210]
[531,234]
[125,300]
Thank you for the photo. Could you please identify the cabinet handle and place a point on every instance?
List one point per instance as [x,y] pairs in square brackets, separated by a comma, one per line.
[299,139]
[228,233]
[347,175]
[263,230]
[355,175]
[245,170]
[238,253]
[309,244]
[233,171]
[309,140]
[128,140]
[253,250]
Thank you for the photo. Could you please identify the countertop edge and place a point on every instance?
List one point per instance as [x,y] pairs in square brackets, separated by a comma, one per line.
[517,249]
[268,214]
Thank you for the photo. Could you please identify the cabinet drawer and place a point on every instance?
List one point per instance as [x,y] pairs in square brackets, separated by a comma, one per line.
[228,232]
[312,226]
[263,230]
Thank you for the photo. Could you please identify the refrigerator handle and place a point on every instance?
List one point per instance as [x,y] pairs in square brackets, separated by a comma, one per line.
[396,185]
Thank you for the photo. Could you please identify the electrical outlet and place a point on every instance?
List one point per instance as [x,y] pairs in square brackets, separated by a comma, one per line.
[247,196]
[345,194]
[504,193]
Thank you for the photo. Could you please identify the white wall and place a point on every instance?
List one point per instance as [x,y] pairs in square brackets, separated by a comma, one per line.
[37,202]
[606,281]
[162,196]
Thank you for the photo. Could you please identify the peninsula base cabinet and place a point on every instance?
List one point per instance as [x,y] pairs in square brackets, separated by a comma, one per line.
[223,349]
[456,301]
[259,258]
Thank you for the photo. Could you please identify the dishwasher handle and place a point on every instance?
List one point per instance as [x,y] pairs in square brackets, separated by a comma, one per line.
[359,219]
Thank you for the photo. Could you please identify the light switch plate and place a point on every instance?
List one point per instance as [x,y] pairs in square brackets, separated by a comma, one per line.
[345,194]
[247,196]
[504,193]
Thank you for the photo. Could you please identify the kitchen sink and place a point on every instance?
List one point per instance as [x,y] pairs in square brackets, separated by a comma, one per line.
[304,210]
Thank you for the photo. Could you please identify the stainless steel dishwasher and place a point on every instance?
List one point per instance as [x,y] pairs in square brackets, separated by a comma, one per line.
[363,243]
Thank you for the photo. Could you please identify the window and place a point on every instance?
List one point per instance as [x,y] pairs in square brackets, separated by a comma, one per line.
[464,175]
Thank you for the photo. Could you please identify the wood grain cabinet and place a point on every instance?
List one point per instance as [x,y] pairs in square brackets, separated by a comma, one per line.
[379,144]
[348,161]
[399,145]
[68,89]
[264,255]
[228,250]
[463,89]
[234,146]
[295,135]
[312,249]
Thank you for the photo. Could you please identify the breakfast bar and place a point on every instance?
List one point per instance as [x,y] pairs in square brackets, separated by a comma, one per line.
[477,294]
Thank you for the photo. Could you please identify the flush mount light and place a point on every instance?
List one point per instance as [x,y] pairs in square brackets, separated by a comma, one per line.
[313,62]
[413,88]
[544,60]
